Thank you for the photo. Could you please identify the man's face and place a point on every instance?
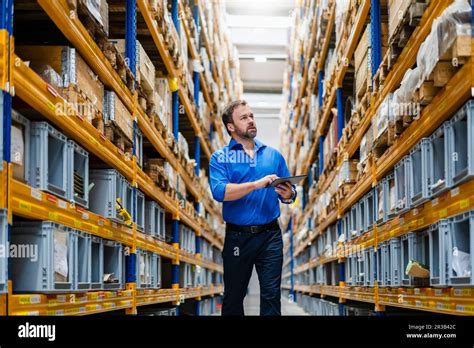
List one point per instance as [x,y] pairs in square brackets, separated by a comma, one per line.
[243,122]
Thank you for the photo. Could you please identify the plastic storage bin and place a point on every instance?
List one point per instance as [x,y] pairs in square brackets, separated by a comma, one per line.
[20,146]
[439,253]
[418,167]
[414,247]
[48,159]
[140,211]
[355,221]
[346,226]
[381,196]
[402,185]
[97,263]
[371,209]
[55,267]
[108,186]
[3,258]
[391,196]
[156,271]
[83,260]
[368,267]
[395,263]
[378,265]
[113,265]
[460,247]
[144,269]
[385,264]
[460,131]
[439,161]
[78,174]
[186,275]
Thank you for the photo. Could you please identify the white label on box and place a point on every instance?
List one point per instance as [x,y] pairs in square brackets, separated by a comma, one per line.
[18,146]
[85,216]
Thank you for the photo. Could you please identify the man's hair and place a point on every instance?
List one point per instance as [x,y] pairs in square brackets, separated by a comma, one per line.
[229,111]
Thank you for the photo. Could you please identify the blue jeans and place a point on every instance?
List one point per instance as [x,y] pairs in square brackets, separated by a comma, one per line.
[243,250]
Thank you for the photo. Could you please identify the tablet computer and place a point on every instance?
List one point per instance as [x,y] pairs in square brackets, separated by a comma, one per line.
[294,180]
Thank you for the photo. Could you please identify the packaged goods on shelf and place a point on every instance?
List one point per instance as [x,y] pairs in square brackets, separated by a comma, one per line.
[98,9]
[170,174]
[347,172]
[78,174]
[20,146]
[77,79]
[330,141]
[145,69]
[117,115]
[183,145]
[314,112]
[164,92]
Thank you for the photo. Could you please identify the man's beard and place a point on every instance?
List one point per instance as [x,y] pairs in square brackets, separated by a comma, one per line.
[246,134]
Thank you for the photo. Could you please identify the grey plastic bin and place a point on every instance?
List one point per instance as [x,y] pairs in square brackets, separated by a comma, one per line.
[140,211]
[460,248]
[402,185]
[83,260]
[439,161]
[144,269]
[4,257]
[97,263]
[439,253]
[114,264]
[370,209]
[368,267]
[395,262]
[418,168]
[414,247]
[461,144]
[78,174]
[48,159]
[108,186]
[55,268]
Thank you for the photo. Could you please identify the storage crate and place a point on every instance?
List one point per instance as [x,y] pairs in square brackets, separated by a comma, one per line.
[139,148]
[78,174]
[392,196]
[48,159]
[116,114]
[460,131]
[185,275]
[113,265]
[83,260]
[55,268]
[144,269]
[370,200]
[395,263]
[108,186]
[414,247]
[368,267]
[402,185]
[460,247]
[346,226]
[355,221]
[382,206]
[418,166]
[384,255]
[4,257]
[20,146]
[97,263]
[439,253]
[378,265]
[439,161]
[156,272]
[140,211]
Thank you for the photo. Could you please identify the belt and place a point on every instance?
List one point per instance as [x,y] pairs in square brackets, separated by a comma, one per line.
[253,229]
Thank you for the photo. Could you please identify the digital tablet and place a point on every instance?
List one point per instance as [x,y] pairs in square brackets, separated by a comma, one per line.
[294,180]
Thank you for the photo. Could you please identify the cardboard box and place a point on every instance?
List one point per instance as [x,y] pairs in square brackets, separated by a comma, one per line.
[397,10]
[73,70]
[145,68]
[97,9]
[115,113]
[163,90]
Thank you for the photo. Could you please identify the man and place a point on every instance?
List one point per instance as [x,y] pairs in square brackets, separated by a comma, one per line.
[240,175]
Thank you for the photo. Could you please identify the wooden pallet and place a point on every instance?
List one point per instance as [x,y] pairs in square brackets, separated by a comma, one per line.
[92,25]
[116,136]
[344,190]
[381,74]
[80,102]
[408,19]
[118,62]
[384,141]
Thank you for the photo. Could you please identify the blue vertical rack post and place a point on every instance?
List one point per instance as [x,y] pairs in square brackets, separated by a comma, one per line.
[175,113]
[321,155]
[131,56]
[197,144]
[375,35]
[320,88]
[340,113]
[6,23]
[342,272]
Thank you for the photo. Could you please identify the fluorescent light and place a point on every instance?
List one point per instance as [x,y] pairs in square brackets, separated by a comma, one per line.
[260,59]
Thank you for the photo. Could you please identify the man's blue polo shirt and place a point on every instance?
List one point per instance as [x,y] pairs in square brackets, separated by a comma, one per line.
[232,165]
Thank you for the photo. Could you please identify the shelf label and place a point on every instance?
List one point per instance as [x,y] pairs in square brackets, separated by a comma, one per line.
[434,202]
[462,292]
[53,216]
[29,299]
[464,204]
[454,192]
[438,292]
[421,222]
[62,204]
[77,223]
[443,213]
[36,194]
[85,216]
[25,206]
[460,308]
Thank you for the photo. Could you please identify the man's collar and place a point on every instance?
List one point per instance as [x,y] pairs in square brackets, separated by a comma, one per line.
[258,144]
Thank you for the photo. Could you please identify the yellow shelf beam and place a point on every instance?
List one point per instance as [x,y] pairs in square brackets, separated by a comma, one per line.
[454,301]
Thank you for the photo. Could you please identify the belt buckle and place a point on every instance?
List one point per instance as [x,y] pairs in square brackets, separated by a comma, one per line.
[254,229]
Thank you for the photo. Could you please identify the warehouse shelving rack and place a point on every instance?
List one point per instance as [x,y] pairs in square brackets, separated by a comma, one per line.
[22,200]
[458,301]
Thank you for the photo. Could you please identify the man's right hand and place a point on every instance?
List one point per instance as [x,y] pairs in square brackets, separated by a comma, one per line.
[265,181]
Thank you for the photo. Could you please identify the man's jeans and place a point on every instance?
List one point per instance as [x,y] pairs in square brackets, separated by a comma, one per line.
[243,250]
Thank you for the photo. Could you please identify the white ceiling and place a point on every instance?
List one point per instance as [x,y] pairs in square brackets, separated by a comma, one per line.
[260,30]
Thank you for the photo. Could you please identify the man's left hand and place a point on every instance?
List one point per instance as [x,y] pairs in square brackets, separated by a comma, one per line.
[284,190]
